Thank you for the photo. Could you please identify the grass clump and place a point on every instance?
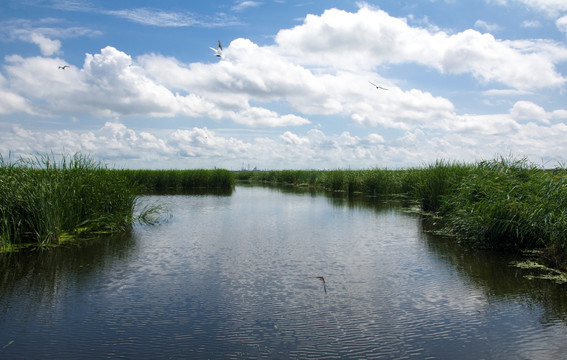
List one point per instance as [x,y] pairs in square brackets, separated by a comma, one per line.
[510,203]
[44,200]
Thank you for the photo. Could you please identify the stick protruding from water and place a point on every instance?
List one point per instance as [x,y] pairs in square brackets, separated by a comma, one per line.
[323,280]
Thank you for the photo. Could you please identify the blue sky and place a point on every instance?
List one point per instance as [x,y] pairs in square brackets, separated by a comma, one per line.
[465,80]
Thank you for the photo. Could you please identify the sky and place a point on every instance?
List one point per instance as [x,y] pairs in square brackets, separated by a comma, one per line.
[294,87]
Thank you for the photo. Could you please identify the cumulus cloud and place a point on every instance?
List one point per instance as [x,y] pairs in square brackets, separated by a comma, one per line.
[526,110]
[111,84]
[370,37]
[11,102]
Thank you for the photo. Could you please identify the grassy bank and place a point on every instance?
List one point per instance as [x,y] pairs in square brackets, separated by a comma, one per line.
[498,204]
[180,180]
[44,201]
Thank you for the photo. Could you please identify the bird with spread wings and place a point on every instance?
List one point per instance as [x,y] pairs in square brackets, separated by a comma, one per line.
[218,51]
[378,87]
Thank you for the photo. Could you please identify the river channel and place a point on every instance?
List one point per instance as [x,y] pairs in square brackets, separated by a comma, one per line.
[235,276]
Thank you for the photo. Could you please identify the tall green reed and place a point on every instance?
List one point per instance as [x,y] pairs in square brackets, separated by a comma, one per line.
[510,203]
[47,196]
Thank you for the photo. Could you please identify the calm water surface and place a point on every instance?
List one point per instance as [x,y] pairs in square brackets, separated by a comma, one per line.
[234,277]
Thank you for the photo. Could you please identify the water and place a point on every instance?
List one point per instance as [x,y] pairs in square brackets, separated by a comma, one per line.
[234,277]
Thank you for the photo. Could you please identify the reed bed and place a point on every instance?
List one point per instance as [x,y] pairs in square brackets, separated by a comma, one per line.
[44,201]
[180,180]
[510,203]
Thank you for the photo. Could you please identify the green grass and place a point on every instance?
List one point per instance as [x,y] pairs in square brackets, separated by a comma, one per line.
[510,203]
[44,200]
[180,180]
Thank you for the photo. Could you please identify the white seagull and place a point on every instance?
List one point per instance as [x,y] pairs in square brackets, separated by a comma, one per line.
[378,87]
[63,67]
[218,52]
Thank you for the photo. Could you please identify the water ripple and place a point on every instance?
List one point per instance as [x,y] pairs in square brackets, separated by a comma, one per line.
[235,277]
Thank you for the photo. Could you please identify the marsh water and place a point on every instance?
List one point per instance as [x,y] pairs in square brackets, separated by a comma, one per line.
[234,276]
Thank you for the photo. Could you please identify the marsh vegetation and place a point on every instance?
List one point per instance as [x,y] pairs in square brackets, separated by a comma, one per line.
[180,180]
[500,204]
[44,201]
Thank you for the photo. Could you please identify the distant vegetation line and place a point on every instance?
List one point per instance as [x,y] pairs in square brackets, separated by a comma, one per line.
[502,203]
[180,180]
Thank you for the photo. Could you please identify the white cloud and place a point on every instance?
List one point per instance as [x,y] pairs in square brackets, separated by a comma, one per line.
[369,38]
[252,73]
[156,17]
[550,7]
[11,102]
[243,5]
[47,46]
[526,110]
[531,24]
[150,16]
[260,117]
[42,33]
[472,137]
[111,84]
[481,24]
[561,24]
[293,139]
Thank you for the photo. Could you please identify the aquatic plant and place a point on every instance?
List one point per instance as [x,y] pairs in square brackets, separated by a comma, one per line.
[47,197]
[432,183]
[509,203]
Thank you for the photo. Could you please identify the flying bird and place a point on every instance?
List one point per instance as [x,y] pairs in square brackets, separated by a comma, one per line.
[378,87]
[63,67]
[323,280]
[218,52]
